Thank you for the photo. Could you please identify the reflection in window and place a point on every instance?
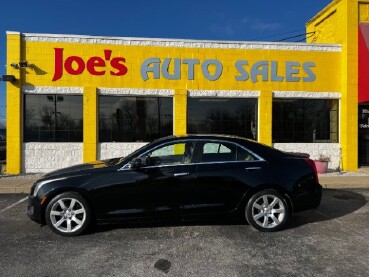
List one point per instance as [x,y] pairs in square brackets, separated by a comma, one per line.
[305,120]
[53,118]
[130,119]
[222,116]
[219,152]
[173,154]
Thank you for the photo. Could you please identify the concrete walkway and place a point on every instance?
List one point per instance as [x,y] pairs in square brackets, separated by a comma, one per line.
[17,184]
[342,180]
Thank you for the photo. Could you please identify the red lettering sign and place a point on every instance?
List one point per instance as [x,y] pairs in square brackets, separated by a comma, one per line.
[75,65]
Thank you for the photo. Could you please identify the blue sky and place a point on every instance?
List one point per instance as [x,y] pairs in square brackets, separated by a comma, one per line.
[240,20]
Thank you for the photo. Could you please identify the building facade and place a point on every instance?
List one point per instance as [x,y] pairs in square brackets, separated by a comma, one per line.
[82,98]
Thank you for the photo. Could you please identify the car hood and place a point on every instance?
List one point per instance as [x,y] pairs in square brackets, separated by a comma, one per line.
[81,168]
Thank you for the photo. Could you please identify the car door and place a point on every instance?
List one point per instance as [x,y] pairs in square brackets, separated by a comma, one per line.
[150,190]
[224,173]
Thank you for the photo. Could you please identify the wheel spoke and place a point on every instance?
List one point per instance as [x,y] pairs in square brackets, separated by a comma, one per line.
[72,204]
[57,224]
[56,213]
[256,206]
[275,201]
[265,200]
[80,211]
[76,220]
[256,217]
[61,203]
[275,220]
[278,211]
[69,225]
[265,223]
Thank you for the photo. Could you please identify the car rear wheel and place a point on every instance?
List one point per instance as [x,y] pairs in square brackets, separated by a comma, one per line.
[68,214]
[267,211]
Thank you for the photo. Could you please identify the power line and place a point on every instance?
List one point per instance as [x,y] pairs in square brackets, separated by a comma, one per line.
[280,34]
[297,36]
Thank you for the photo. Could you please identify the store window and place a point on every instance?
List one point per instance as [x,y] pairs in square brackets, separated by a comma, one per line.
[230,116]
[53,118]
[131,119]
[305,120]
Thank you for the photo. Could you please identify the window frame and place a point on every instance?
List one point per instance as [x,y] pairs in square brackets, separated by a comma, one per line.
[126,166]
[292,133]
[123,137]
[54,130]
[254,116]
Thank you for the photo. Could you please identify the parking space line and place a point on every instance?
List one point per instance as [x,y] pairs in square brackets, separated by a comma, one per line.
[14,204]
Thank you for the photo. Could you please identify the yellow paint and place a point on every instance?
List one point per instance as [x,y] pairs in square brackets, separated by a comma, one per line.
[364,11]
[265,117]
[179,149]
[41,54]
[338,23]
[14,108]
[335,72]
[180,112]
[90,124]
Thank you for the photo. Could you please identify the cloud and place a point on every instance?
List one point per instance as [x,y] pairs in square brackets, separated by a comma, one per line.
[233,26]
[223,29]
[258,25]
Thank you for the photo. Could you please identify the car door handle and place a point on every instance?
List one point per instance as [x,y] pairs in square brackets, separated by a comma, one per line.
[253,168]
[181,174]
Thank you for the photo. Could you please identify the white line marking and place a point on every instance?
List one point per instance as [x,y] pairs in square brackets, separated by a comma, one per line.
[13,205]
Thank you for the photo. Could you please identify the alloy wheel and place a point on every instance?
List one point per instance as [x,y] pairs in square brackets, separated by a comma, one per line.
[268,211]
[68,215]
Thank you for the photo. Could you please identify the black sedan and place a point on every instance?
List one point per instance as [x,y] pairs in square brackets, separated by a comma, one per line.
[179,177]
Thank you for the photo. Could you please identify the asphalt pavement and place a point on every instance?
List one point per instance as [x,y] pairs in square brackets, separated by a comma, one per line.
[329,241]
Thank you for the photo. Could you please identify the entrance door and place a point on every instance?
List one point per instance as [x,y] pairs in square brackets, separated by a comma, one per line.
[364,135]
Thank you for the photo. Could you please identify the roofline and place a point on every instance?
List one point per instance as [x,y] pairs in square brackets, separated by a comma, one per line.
[71,38]
[321,12]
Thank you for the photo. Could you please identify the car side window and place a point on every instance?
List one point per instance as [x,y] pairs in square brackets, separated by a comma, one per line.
[172,154]
[218,152]
[244,155]
[223,152]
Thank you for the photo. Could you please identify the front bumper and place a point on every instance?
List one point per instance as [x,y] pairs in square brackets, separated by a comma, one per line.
[34,210]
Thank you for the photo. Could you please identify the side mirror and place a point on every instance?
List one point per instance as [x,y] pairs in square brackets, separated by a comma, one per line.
[136,163]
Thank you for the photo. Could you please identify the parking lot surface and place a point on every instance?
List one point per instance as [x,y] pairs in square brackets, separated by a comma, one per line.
[330,241]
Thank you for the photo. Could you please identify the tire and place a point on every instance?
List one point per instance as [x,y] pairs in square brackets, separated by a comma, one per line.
[267,211]
[68,214]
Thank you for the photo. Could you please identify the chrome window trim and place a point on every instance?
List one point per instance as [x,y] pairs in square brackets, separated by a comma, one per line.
[171,165]
[259,158]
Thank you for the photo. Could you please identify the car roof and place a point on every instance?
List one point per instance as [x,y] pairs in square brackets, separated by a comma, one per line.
[265,151]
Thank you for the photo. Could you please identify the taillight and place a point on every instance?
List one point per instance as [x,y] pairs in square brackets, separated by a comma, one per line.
[312,164]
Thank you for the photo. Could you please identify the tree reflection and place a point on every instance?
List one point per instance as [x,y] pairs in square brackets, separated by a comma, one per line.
[134,118]
[53,118]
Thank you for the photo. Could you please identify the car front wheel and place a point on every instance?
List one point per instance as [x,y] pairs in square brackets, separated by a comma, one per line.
[68,214]
[267,211]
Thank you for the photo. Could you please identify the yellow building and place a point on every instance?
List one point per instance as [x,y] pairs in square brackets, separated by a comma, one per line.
[80,98]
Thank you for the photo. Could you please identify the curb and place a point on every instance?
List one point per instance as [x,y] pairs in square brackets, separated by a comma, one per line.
[344,182]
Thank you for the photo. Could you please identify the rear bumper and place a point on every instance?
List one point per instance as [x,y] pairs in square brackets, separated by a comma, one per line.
[308,199]
[34,210]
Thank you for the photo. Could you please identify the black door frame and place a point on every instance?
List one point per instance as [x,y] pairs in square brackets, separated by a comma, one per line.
[363,134]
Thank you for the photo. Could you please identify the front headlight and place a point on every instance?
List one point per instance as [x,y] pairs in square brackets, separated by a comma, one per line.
[39,185]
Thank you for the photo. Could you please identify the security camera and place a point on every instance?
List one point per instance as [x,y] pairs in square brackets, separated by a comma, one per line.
[14,65]
[24,64]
